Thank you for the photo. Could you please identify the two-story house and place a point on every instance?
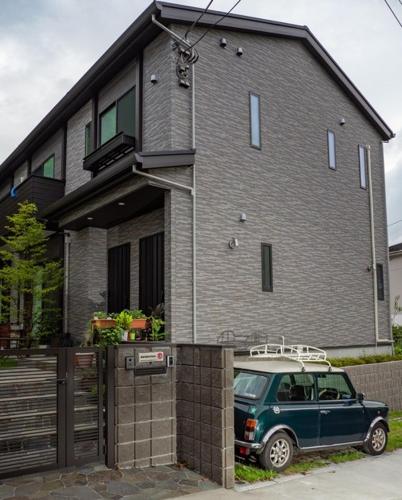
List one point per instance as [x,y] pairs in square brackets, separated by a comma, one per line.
[245,189]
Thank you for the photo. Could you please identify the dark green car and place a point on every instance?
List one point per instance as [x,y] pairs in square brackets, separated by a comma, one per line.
[281,406]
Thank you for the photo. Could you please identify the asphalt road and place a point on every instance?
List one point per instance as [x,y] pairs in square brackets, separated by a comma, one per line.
[378,478]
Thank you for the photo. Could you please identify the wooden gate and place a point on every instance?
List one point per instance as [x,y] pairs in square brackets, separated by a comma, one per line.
[51,408]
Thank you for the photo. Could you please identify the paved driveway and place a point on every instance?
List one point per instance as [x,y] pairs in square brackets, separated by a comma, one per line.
[378,478]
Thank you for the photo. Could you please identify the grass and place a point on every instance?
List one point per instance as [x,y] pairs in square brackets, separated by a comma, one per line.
[7,363]
[305,463]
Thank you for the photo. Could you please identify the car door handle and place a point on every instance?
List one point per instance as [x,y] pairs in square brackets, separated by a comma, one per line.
[325,412]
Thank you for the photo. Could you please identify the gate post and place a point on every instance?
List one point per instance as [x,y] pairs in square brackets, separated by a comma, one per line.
[110,406]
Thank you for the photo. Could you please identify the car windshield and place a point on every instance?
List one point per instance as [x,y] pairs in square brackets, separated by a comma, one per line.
[249,385]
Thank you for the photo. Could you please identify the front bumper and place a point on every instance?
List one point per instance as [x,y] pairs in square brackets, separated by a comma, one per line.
[248,444]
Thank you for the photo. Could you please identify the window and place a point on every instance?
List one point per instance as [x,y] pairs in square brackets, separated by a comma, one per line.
[362,167]
[266,267]
[249,385]
[333,386]
[119,117]
[255,129]
[296,387]
[88,138]
[46,169]
[331,150]
[380,282]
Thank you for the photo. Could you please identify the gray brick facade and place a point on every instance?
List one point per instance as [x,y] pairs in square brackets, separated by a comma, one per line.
[52,146]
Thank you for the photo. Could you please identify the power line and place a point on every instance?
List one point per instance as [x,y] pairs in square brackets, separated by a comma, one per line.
[393,13]
[394,223]
[190,29]
[217,22]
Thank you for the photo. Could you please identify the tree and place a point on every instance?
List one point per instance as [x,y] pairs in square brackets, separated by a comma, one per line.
[28,278]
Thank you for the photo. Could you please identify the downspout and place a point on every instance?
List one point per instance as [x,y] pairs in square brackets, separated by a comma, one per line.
[67,244]
[373,249]
[194,209]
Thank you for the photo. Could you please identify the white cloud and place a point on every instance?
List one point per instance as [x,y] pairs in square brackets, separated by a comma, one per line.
[46,46]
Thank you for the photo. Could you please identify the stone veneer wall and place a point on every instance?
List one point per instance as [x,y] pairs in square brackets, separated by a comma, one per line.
[379,381]
[205,427]
[144,412]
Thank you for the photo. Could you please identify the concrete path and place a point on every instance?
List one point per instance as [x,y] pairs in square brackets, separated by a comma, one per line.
[378,478]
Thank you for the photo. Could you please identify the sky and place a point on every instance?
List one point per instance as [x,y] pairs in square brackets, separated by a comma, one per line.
[47,45]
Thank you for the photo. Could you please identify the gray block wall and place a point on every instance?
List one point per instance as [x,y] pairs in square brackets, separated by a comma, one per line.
[52,146]
[379,382]
[118,86]
[145,413]
[205,415]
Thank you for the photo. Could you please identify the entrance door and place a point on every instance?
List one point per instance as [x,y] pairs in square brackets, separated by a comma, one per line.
[152,272]
[118,278]
[342,418]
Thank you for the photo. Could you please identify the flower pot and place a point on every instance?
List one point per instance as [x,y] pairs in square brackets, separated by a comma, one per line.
[84,359]
[139,324]
[103,323]
[131,336]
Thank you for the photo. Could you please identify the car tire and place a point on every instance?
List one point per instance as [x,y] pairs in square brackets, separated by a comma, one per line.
[377,440]
[277,453]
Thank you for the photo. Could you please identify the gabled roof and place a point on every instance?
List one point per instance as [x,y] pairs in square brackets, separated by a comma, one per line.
[395,248]
[141,32]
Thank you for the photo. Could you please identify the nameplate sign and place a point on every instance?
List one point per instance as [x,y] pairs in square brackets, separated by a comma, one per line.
[151,357]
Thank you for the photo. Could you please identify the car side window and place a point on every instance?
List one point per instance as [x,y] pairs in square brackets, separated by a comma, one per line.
[333,386]
[296,387]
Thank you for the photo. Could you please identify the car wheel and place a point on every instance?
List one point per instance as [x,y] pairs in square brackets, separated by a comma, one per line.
[278,452]
[377,440]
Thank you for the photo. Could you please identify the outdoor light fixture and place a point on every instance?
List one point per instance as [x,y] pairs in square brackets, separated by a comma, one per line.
[233,243]
[239,51]
[154,79]
[121,203]
[223,42]
[243,217]
[90,218]
[342,122]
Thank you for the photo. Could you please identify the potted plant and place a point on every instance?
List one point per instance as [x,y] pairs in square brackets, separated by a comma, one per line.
[123,322]
[109,336]
[139,320]
[102,320]
[156,326]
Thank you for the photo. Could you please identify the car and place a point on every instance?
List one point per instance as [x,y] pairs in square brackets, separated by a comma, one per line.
[287,401]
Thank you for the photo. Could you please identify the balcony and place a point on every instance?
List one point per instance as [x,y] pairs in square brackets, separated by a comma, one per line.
[40,190]
[114,149]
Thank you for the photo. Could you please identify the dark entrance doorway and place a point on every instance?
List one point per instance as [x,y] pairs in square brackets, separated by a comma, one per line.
[152,272]
[51,408]
[119,278]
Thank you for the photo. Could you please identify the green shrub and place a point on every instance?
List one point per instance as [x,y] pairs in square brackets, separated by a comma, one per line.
[365,360]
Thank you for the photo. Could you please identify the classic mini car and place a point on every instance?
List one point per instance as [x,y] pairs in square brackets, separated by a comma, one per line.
[289,398]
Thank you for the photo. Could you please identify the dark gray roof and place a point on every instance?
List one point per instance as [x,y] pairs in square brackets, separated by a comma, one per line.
[395,248]
[141,32]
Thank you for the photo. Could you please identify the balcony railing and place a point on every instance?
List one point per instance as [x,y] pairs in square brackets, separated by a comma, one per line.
[108,153]
[40,190]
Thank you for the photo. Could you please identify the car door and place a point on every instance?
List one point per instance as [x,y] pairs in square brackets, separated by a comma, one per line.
[296,407]
[342,418]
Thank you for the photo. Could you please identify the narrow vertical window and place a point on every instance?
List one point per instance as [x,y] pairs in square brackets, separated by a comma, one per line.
[362,167]
[380,282]
[48,167]
[126,113]
[331,150]
[108,124]
[266,267]
[255,128]
[88,138]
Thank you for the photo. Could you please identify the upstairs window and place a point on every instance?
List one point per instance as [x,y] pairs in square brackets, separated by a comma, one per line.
[331,149]
[119,117]
[46,169]
[266,267]
[380,282]
[88,138]
[363,166]
[255,123]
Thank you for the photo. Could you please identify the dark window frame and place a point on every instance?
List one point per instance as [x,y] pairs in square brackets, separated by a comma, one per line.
[250,95]
[35,172]
[265,288]
[108,108]
[329,131]
[362,146]
[380,290]
[88,138]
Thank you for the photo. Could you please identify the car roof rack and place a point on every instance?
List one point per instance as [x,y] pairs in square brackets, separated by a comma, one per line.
[295,352]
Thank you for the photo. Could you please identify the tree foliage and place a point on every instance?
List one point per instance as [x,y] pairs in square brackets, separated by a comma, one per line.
[26,272]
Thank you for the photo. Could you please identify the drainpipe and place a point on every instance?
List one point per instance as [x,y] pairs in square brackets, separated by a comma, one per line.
[67,243]
[373,249]
[194,209]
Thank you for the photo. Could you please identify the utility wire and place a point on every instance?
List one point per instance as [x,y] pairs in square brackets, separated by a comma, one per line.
[394,223]
[190,29]
[393,13]
[217,22]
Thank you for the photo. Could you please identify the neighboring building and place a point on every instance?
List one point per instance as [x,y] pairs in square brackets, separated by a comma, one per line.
[280,135]
[395,282]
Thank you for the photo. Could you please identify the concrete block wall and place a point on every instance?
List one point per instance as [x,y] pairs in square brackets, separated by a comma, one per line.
[144,412]
[379,381]
[205,418]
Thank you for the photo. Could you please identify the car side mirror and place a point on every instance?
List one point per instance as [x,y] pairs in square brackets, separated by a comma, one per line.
[360,396]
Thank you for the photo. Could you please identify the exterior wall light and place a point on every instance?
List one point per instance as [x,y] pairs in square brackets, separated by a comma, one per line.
[342,122]
[239,51]
[243,217]
[233,243]
[121,203]
[223,42]
[154,79]
[90,218]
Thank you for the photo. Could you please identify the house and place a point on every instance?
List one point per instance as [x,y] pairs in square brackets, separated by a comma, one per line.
[234,188]
[395,282]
